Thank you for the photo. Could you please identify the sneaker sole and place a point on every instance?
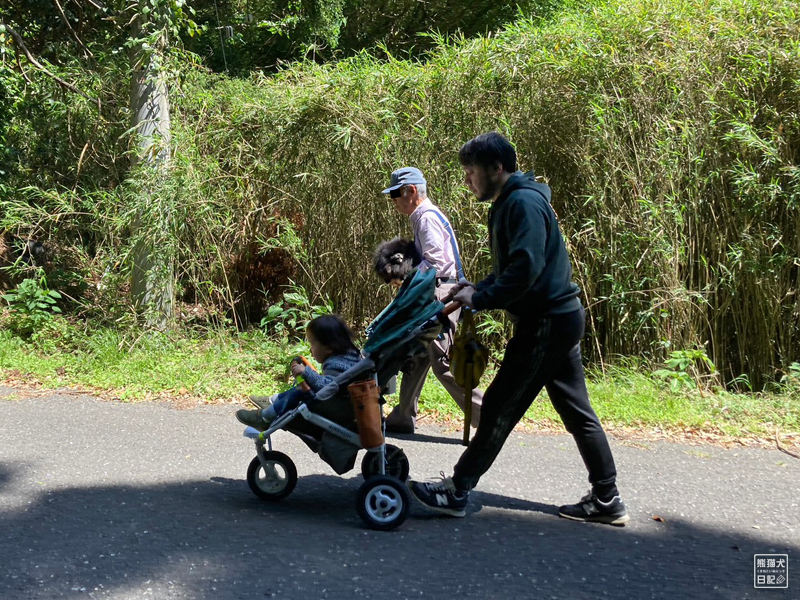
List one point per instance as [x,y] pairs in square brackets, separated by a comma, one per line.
[260,427]
[618,521]
[450,512]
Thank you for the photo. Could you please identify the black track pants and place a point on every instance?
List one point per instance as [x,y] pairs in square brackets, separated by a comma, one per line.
[543,352]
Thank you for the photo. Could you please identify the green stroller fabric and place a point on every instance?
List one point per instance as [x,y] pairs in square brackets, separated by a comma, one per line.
[414,304]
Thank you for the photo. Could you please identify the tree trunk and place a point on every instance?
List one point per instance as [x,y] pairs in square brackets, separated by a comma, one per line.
[152,278]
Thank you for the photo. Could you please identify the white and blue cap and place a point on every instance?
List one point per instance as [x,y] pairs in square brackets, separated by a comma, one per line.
[405,176]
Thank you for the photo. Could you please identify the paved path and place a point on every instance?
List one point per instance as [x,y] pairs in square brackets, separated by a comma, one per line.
[144,501]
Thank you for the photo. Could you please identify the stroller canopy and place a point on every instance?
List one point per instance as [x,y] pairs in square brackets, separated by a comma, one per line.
[414,304]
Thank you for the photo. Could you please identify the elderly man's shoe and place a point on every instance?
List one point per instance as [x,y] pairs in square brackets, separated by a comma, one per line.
[399,423]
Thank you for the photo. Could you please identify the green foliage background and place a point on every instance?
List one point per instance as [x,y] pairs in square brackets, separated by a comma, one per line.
[668,130]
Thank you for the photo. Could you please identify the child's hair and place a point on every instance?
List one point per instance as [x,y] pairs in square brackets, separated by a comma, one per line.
[332,332]
[393,260]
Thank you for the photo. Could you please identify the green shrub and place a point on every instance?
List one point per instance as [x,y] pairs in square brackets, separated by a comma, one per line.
[669,133]
[31,306]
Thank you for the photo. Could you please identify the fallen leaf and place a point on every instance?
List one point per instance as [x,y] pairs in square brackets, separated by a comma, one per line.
[659,519]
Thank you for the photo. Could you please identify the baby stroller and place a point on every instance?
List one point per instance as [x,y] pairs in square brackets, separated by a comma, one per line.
[401,331]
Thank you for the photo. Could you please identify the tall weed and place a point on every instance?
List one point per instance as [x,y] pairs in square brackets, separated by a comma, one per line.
[668,130]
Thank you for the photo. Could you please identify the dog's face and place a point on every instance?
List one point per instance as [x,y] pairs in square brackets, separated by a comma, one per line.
[393,260]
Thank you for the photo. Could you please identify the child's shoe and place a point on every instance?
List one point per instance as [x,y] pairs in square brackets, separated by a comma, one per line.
[263,401]
[253,418]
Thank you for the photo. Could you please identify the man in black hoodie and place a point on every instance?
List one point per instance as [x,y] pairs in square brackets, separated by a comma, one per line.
[532,280]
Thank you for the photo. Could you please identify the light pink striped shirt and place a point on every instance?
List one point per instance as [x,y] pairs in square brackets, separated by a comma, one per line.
[433,240]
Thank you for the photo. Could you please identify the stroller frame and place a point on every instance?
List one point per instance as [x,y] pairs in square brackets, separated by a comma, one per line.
[303,411]
[383,499]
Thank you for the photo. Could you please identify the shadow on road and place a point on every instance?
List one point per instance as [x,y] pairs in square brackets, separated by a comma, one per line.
[5,476]
[424,437]
[485,499]
[215,539]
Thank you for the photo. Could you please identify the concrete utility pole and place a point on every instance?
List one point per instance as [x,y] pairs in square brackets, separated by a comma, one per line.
[152,278]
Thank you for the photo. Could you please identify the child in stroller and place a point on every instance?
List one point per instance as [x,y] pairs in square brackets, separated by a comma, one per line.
[332,346]
[403,329]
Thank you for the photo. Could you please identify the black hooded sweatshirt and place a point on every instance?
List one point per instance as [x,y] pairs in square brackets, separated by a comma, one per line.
[531,273]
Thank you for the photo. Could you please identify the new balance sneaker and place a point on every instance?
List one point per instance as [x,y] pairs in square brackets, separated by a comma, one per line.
[592,509]
[253,418]
[441,496]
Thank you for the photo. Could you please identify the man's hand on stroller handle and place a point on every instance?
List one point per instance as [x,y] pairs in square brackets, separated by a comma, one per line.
[459,295]
[464,296]
[462,283]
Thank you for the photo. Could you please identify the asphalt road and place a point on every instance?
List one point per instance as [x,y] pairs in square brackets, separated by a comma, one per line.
[101,499]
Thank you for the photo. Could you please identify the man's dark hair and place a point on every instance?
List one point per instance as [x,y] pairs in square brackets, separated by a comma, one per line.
[332,332]
[488,150]
[394,260]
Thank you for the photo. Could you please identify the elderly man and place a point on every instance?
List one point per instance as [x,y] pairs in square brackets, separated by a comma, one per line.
[532,280]
[436,244]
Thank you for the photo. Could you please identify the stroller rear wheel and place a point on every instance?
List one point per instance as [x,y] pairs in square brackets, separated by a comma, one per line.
[383,502]
[396,463]
[272,481]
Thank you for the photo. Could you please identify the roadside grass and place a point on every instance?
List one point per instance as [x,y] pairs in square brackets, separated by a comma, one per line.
[630,398]
[224,368]
[213,368]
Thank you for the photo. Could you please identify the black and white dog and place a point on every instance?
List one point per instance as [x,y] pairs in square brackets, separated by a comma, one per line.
[394,259]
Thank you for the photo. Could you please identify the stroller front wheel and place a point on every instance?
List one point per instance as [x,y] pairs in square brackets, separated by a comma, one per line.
[272,481]
[383,502]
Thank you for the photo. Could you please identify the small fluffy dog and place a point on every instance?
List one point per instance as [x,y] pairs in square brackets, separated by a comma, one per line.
[395,259]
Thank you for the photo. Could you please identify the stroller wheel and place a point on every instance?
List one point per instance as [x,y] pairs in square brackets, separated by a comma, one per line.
[396,463]
[383,502]
[276,480]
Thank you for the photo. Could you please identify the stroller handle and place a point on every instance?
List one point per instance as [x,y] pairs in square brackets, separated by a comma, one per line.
[450,308]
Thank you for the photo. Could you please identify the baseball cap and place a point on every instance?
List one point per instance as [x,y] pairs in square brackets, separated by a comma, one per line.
[405,176]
